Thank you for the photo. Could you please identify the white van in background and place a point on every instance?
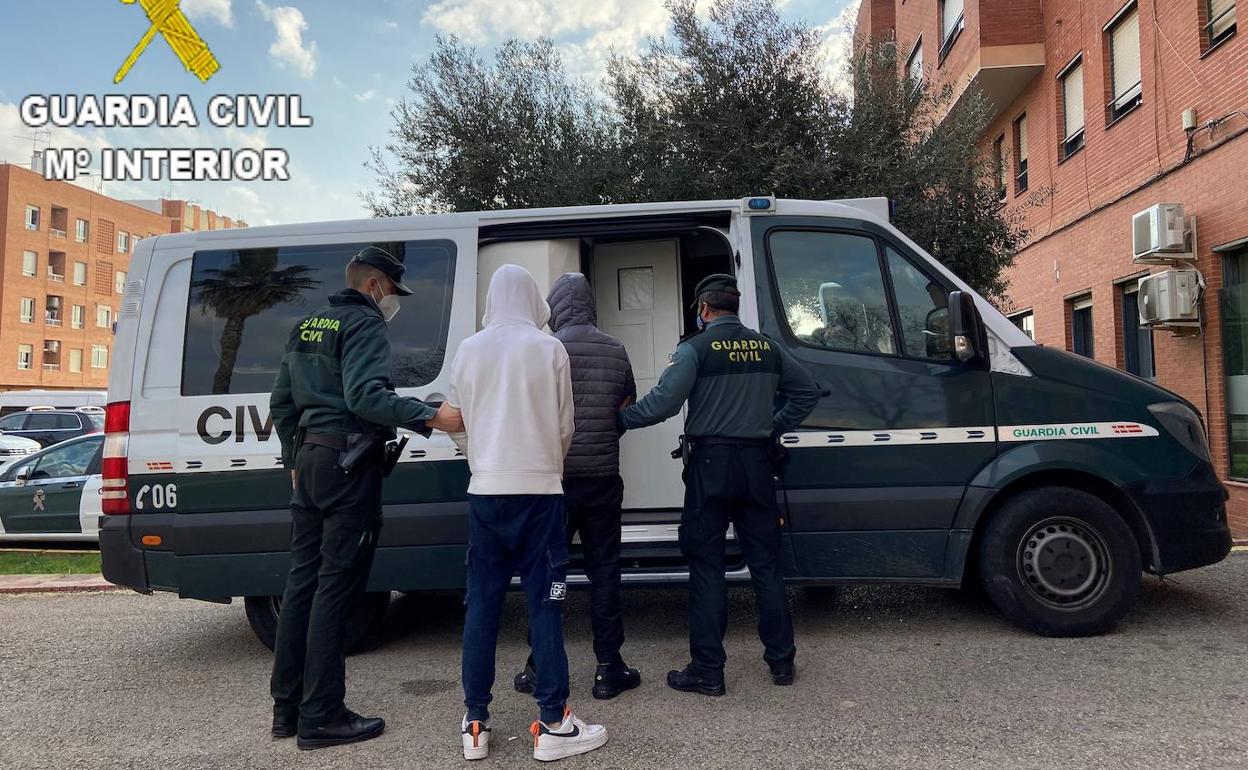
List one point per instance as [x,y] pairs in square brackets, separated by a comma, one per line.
[21,400]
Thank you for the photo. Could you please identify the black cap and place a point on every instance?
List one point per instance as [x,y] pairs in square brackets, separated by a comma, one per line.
[386,263]
[715,282]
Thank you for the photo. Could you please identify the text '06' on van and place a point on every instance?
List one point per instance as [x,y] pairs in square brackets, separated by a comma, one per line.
[948,446]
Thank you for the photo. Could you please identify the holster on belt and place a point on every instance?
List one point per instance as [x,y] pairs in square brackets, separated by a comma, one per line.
[683,450]
[393,451]
[357,450]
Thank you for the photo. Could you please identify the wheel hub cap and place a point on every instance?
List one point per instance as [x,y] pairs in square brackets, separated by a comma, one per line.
[1064,562]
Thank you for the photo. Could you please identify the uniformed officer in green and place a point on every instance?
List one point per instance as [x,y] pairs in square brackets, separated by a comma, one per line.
[333,409]
[731,376]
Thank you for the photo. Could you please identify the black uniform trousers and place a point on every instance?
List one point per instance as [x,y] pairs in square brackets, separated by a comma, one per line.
[593,504]
[336,517]
[732,483]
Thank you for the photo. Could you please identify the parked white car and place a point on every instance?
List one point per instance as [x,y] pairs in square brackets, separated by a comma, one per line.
[14,448]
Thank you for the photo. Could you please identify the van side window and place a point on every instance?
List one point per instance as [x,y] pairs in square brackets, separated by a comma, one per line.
[832,290]
[244,304]
[923,306]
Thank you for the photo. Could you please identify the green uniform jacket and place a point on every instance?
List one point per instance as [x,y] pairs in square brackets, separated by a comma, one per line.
[731,376]
[335,376]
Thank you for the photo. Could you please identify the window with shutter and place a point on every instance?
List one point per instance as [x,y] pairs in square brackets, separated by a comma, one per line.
[1072,109]
[914,66]
[951,24]
[1221,24]
[1124,63]
[1020,154]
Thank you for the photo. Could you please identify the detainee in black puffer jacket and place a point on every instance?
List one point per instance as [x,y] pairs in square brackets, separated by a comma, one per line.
[602,381]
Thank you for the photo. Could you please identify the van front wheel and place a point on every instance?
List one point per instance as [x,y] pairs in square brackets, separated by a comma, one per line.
[1060,562]
[363,622]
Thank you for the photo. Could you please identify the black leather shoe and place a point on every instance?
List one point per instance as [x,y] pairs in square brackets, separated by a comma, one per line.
[285,726]
[611,679]
[687,681]
[783,674]
[350,728]
[526,681]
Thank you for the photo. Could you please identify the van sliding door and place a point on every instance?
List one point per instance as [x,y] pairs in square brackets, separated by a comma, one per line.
[879,467]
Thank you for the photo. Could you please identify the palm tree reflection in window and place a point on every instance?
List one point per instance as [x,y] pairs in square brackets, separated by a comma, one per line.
[241,290]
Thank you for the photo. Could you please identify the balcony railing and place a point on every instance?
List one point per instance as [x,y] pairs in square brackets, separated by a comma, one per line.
[57,233]
[51,367]
[54,276]
[52,320]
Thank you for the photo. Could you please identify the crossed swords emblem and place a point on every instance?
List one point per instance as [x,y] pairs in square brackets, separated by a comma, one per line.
[167,18]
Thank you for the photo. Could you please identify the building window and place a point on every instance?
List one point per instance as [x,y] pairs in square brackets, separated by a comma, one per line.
[1026,321]
[1221,24]
[99,356]
[75,360]
[123,242]
[951,23]
[1123,36]
[80,273]
[914,65]
[1081,327]
[28,310]
[1020,154]
[1137,340]
[82,230]
[103,316]
[1071,109]
[30,264]
[78,316]
[25,356]
[32,217]
[120,282]
[998,167]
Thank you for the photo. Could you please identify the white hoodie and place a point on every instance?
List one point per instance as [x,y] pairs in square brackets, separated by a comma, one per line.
[514,385]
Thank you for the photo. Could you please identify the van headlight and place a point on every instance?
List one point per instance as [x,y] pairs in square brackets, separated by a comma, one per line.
[1184,424]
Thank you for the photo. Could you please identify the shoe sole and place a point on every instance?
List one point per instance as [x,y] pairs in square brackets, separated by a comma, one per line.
[713,692]
[605,694]
[571,751]
[311,744]
[279,736]
[481,752]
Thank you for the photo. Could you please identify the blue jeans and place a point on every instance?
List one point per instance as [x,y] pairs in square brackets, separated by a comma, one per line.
[509,535]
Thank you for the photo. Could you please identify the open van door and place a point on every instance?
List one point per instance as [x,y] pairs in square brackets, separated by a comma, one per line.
[879,468]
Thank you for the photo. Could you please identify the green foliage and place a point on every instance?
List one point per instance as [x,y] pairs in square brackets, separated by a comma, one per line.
[733,103]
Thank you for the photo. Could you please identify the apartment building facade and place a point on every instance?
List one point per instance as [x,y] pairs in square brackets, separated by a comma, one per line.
[64,260]
[1102,109]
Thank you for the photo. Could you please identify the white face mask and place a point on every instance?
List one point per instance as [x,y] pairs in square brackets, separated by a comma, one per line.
[388,305]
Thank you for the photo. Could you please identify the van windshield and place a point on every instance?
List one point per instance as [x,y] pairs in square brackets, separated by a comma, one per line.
[244,304]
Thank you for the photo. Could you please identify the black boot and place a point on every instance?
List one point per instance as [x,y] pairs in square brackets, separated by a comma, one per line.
[349,728]
[611,679]
[526,681]
[783,674]
[687,680]
[285,725]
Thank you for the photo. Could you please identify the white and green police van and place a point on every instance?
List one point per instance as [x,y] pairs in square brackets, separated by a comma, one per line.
[948,446]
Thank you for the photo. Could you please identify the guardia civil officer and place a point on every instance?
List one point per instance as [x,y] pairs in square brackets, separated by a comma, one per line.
[333,408]
[730,376]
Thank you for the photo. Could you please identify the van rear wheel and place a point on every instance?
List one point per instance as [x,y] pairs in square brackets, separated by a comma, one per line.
[364,622]
[1060,562]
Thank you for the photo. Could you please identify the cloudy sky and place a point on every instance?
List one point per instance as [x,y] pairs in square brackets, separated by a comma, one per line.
[348,60]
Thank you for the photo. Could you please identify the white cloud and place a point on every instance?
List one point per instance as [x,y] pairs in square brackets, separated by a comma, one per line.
[837,34]
[218,10]
[367,96]
[392,26]
[288,49]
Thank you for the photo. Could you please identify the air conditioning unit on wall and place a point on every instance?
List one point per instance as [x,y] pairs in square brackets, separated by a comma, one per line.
[1171,298]
[1161,234]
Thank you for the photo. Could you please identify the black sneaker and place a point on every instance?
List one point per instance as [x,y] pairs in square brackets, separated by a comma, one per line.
[526,681]
[611,679]
[783,674]
[349,728]
[687,681]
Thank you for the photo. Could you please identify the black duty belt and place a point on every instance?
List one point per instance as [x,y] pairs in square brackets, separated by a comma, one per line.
[335,441]
[729,441]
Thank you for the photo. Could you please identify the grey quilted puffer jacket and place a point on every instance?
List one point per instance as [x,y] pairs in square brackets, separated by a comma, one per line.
[602,377]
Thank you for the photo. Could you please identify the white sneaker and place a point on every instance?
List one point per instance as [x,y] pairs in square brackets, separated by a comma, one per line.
[476,736]
[571,738]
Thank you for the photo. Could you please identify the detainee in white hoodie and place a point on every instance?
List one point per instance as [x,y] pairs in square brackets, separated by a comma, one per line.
[513,384]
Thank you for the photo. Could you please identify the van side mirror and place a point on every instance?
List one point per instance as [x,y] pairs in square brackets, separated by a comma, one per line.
[966,329]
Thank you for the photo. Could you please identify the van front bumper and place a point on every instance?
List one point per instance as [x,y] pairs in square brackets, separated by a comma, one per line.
[120,561]
[1187,518]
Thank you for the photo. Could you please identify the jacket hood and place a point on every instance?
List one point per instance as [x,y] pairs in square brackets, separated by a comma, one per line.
[514,296]
[571,302]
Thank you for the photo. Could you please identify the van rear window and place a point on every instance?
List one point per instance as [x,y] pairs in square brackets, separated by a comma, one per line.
[244,303]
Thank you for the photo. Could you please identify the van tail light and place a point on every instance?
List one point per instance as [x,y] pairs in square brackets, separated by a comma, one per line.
[115,488]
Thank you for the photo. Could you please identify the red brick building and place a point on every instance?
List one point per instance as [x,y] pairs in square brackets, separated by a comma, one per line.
[1101,109]
[64,258]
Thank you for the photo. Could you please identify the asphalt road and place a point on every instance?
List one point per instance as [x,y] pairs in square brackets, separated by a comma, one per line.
[889,677]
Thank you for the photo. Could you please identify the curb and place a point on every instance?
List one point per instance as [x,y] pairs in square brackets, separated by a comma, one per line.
[50,584]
